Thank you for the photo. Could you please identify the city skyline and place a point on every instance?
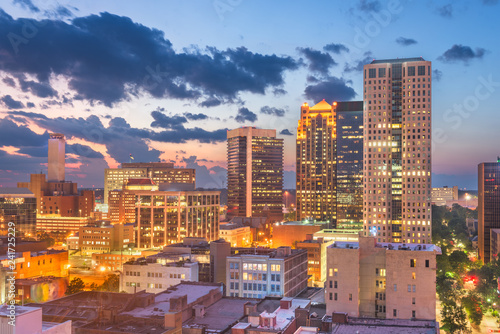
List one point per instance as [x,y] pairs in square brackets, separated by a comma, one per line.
[165,112]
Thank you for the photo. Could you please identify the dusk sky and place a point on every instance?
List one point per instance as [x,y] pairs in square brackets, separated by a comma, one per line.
[164,80]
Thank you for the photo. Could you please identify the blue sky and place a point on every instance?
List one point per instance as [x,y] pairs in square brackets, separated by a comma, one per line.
[163,80]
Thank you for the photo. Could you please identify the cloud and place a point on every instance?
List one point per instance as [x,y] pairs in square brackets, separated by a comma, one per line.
[405,41]
[167,122]
[331,89]
[211,102]
[279,112]
[15,135]
[279,92]
[214,177]
[195,117]
[318,61]
[108,59]
[27,4]
[358,65]
[9,81]
[461,53]
[40,89]
[437,75]
[286,132]
[336,48]
[445,11]
[245,115]
[11,103]
[27,114]
[83,151]
[369,6]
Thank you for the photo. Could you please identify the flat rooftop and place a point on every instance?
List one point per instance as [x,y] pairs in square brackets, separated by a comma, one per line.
[219,316]
[8,191]
[385,326]
[5,312]
[389,246]
[397,60]
[162,299]
[284,316]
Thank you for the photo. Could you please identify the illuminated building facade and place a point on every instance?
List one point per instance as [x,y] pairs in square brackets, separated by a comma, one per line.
[18,205]
[316,163]
[349,164]
[56,159]
[159,172]
[255,173]
[397,150]
[105,238]
[488,206]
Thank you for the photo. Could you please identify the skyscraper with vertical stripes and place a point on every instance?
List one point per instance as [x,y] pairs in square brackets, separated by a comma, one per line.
[397,95]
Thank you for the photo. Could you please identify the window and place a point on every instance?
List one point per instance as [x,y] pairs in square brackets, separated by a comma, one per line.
[381,72]
[382,272]
[414,288]
[395,287]
[409,287]
[411,71]
[394,313]
[413,276]
[330,272]
[413,301]
[372,73]
[413,263]
[331,285]
[231,265]
[350,297]
[335,285]
[331,296]
[335,271]
[413,314]
[421,70]
[335,296]
[427,263]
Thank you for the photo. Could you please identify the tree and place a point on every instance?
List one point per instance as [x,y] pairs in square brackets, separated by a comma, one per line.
[111,284]
[454,319]
[76,285]
[473,306]
[459,261]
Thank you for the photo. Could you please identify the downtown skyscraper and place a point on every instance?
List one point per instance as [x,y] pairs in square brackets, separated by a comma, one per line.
[329,163]
[254,173]
[397,150]
[488,206]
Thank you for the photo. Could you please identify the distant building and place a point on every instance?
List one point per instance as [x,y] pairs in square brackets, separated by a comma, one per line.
[289,233]
[397,150]
[113,261]
[28,319]
[382,280]
[61,224]
[105,238]
[42,263]
[316,259]
[440,196]
[57,157]
[282,272]
[236,235]
[255,173]
[158,172]
[488,205]
[153,275]
[18,205]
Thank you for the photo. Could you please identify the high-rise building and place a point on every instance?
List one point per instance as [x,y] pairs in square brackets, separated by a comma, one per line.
[159,172]
[57,154]
[18,206]
[488,206]
[330,163]
[397,150]
[349,164]
[254,173]
[316,163]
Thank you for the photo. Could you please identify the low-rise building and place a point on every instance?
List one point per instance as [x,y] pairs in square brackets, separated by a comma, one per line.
[316,259]
[41,263]
[289,233]
[153,275]
[382,280]
[439,196]
[28,319]
[114,260]
[282,272]
[61,224]
[105,238]
[237,235]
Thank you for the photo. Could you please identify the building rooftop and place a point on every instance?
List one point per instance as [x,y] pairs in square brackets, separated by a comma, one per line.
[285,315]
[5,312]
[385,326]
[230,226]
[273,253]
[397,60]
[220,315]
[321,106]
[9,191]
[389,246]
[162,299]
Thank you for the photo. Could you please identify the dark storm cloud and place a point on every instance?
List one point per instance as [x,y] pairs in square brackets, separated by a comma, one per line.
[437,75]
[11,103]
[461,53]
[245,115]
[405,41]
[84,151]
[167,122]
[336,48]
[279,112]
[9,81]
[331,89]
[15,135]
[286,132]
[108,58]
[369,6]
[40,89]
[445,11]
[195,117]
[318,61]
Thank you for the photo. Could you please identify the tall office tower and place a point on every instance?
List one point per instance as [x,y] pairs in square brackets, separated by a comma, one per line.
[349,164]
[316,163]
[57,154]
[254,173]
[159,172]
[397,150]
[488,205]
